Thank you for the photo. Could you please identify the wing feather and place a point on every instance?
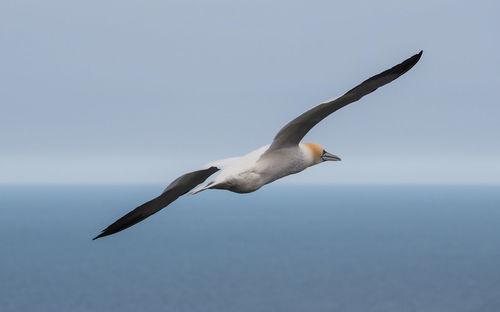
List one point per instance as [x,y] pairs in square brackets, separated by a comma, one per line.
[174,190]
[295,130]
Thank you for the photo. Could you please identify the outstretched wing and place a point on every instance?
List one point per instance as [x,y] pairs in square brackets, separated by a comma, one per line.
[295,130]
[177,188]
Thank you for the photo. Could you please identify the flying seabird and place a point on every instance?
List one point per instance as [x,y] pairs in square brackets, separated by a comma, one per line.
[284,156]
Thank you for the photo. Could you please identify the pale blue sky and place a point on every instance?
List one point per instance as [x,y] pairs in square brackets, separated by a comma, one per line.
[142,91]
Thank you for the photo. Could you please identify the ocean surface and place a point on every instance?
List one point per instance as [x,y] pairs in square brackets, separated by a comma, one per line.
[283,248]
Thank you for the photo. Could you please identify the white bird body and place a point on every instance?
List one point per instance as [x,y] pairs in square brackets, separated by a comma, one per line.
[286,155]
[250,172]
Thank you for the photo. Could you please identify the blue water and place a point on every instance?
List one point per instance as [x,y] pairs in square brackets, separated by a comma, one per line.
[283,248]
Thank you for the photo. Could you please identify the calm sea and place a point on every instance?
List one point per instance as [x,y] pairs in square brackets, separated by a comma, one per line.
[283,248]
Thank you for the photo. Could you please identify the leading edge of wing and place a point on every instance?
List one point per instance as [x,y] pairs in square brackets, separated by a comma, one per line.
[293,132]
[177,188]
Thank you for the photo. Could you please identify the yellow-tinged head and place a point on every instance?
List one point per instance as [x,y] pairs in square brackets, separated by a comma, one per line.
[318,153]
[315,149]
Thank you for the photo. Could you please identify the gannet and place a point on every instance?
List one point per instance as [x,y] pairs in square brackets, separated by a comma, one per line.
[284,156]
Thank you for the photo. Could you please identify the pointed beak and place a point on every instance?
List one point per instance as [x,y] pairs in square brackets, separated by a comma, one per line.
[327,156]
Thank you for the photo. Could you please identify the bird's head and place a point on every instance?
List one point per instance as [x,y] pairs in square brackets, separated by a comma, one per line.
[318,153]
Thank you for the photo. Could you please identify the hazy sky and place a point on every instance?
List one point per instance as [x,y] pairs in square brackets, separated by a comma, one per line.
[142,91]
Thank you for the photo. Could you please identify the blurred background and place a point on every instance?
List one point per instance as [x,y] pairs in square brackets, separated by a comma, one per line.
[103,103]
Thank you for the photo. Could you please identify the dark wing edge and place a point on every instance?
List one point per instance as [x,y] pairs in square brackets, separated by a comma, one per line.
[177,188]
[293,132]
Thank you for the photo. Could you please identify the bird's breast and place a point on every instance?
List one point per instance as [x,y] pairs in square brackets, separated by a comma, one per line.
[281,163]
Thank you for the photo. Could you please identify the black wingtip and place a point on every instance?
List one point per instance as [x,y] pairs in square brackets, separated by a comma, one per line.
[407,64]
[107,231]
[385,77]
[419,55]
[98,236]
[103,233]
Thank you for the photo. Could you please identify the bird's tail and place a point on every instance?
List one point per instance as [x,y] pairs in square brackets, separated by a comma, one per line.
[202,188]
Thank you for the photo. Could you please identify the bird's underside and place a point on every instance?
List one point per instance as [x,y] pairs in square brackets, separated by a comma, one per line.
[286,155]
